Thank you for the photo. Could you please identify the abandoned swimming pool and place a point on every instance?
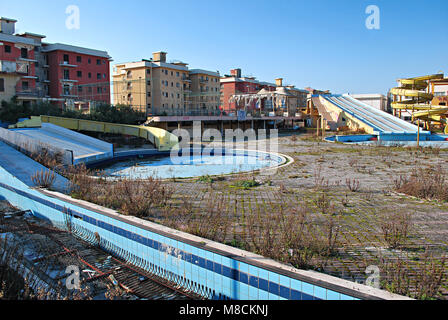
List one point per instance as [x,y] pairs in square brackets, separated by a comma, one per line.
[190,164]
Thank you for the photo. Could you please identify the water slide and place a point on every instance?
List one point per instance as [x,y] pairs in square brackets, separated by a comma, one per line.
[417,100]
[376,120]
[160,138]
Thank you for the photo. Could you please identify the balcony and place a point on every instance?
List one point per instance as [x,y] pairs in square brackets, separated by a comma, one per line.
[68,80]
[67,64]
[26,92]
[20,68]
[185,79]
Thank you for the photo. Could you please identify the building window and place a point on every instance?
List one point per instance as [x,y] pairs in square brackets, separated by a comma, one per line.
[148,71]
[98,76]
[7,49]
[177,74]
[99,90]
[66,58]
[79,73]
[90,75]
[104,76]
[24,53]
[89,61]
[66,74]
[78,59]
[79,89]
[2,85]
[98,61]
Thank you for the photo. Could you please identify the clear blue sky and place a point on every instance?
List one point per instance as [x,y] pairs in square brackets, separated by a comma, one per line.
[320,43]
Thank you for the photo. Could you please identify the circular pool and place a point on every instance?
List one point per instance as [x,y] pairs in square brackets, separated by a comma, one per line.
[166,166]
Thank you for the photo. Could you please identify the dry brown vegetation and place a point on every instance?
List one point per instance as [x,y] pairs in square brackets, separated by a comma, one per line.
[426,183]
[44,178]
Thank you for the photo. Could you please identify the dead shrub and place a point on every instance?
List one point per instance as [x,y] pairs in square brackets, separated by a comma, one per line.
[399,276]
[130,197]
[44,178]
[352,184]
[425,183]
[138,197]
[395,228]
[47,158]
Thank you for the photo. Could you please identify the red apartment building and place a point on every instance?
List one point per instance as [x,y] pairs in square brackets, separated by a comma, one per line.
[66,75]
[236,84]
[77,74]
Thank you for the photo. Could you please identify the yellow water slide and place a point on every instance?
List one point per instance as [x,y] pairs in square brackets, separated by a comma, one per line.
[417,99]
[160,138]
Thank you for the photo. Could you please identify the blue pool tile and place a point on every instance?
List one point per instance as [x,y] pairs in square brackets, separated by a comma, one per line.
[296,295]
[274,288]
[333,295]
[253,293]
[244,277]
[285,281]
[308,288]
[244,267]
[263,295]
[209,265]
[217,267]
[263,284]
[253,281]
[226,272]
[227,262]
[345,297]
[263,274]
[201,262]
[320,293]
[253,271]
[285,292]
[195,259]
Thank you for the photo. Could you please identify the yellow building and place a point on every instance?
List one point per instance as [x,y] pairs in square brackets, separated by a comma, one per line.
[157,87]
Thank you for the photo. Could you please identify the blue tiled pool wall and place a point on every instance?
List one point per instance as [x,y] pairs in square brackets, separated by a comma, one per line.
[204,271]
[124,155]
[389,137]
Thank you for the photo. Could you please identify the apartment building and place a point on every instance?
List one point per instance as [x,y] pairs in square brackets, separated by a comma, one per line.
[17,64]
[158,87]
[205,95]
[31,70]
[237,85]
[76,75]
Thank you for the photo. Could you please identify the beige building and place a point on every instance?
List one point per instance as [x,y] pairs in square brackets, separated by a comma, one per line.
[160,88]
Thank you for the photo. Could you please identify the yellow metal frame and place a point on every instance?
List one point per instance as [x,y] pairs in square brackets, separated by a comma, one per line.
[160,138]
[418,98]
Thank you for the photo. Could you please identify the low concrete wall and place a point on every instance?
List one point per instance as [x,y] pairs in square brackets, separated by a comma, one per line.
[22,142]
